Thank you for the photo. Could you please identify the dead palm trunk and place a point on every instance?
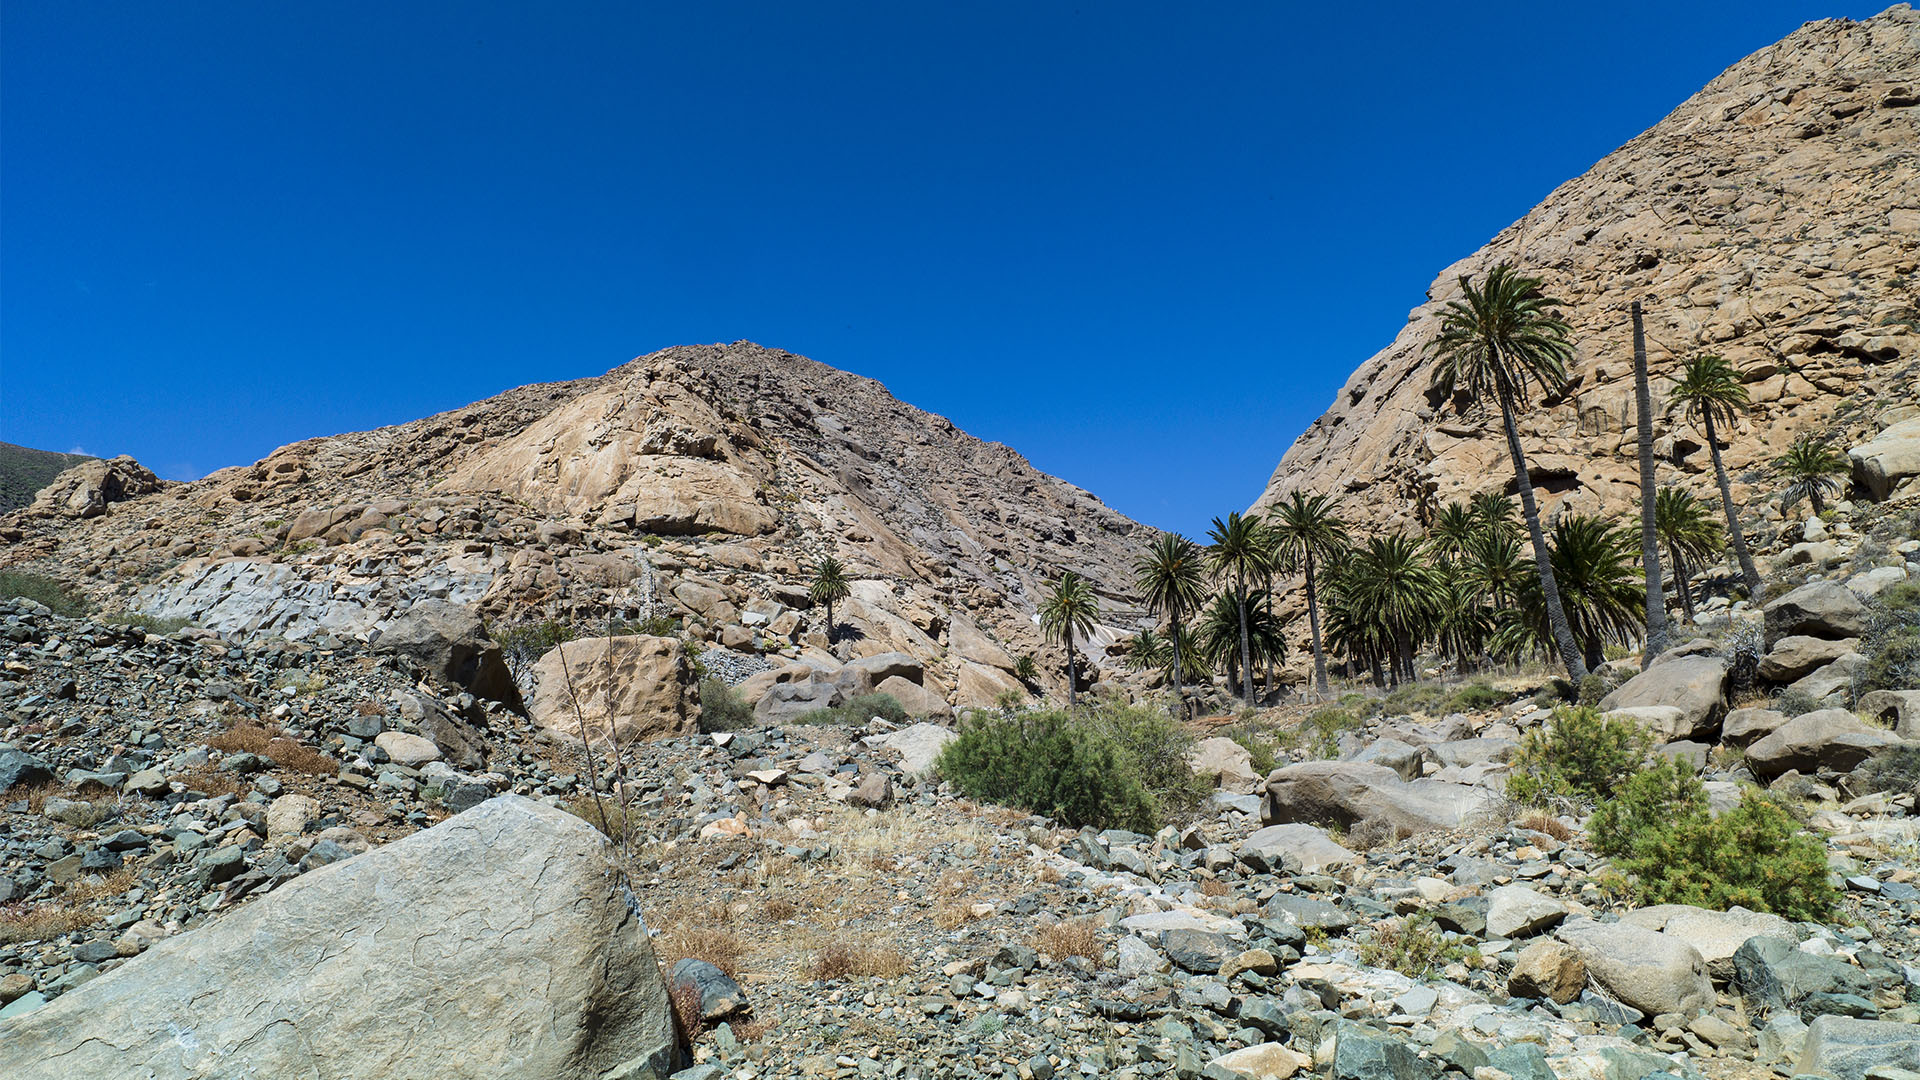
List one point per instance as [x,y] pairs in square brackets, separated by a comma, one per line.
[1649,535]
[1313,622]
[1543,561]
[1246,644]
[1755,590]
[1681,584]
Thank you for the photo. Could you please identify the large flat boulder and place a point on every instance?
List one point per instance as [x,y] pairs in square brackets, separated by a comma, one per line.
[1295,848]
[1797,655]
[1881,463]
[1227,764]
[1823,609]
[452,644]
[85,490]
[1744,726]
[919,745]
[1651,971]
[1849,1049]
[1696,685]
[1830,739]
[635,687]
[913,697]
[1715,935]
[493,944]
[1344,792]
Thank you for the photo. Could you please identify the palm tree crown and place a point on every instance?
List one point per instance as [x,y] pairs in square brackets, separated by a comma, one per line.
[1306,532]
[1069,610]
[829,586]
[1709,393]
[1812,469]
[1240,554]
[1691,535]
[1171,578]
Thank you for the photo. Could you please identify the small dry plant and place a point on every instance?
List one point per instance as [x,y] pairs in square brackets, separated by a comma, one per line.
[1072,937]
[953,914]
[686,1009]
[1214,887]
[842,960]
[1370,833]
[274,745]
[1542,822]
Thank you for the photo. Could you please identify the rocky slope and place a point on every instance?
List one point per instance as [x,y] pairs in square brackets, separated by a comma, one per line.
[1773,218]
[24,471]
[698,483]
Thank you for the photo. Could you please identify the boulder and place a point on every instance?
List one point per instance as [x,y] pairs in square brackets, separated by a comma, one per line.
[1834,681]
[1225,763]
[450,642]
[1823,609]
[967,641]
[289,815]
[459,744]
[1696,685]
[890,665]
[919,745]
[1744,726]
[1898,708]
[1344,792]
[1850,1049]
[1297,848]
[1774,972]
[913,697]
[1403,758]
[1884,461]
[1664,721]
[85,490]
[21,769]
[1876,581]
[978,686]
[634,687]
[1715,935]
[720,996]
[412,751]
[784,703]
[1645,969]
[1261,1061]
[1830,739]
[1548,969]
[1517,911]
[1796,655]
[493,944]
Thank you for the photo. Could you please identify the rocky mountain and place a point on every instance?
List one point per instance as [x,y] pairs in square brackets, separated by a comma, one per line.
[697,484]
[1773,218]
[24,471]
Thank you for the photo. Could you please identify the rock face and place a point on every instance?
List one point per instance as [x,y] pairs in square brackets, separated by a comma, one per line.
[1768,218]
[1821,609]
[1695,685]
[452,644]
[1344,792]
[85,490]
[1832,739]
[635,686]
[493,944]
[1888,460]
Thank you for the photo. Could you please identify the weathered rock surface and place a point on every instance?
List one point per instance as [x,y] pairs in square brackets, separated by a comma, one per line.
[1644,968]
[493,944]
[1795,656]
[1296,847]
[1823,609]
[452,644]
[634,686]
[1695,685]
[1832,739]
[1899,708]
[1887,460]
[1548,969]
[85,490]
[1344,792]
[1849,1048]
[1228,764]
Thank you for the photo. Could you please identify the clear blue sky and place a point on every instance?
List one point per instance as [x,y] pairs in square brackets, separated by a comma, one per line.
[1143,244]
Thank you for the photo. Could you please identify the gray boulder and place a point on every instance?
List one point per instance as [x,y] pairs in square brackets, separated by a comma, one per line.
[1830,739]
[1881,463]
[1296,848]
[1849,1049]
[1344,792]
[1715,935]
[1696,685]
[891,665]
[1774,972]
[787,702]
[1643,968]
[1824,609]
[1899,708]
[19,769]
[1797,655]
[493,944]
[1517,911]
[1402,758]
[1745,726]
[452,644]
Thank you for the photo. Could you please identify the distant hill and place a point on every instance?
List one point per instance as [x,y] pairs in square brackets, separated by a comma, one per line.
[24,470]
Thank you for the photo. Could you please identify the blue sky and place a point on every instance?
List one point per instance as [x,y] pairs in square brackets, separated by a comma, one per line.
[1142,245]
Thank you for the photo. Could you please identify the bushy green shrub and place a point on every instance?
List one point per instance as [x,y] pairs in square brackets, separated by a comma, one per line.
[57,595]
[858,711]
[651,626]
[1896,770]
[1892,643]
[1323,727]
[1659,830]
[151,624]
[1592,688]
[1420,697]
[524,643]
[722,708]
[1476,697]
[1577,753]
[1792,702]
[1111,766]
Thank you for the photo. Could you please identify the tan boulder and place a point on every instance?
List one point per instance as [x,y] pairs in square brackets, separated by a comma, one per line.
[916,699]
[637,686]
[1227,764]
[1548,969]
[85,490]
[969,642]
[979,685]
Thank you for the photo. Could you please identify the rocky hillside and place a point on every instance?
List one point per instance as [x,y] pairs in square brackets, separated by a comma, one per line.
[1773,218]
[24,471]
[698,484]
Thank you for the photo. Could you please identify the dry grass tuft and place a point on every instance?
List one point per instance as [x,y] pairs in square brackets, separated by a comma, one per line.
[686,1009]
[1542,822]
[370,707]
[844,961]
[1214,887]
[213,784]
[1074,937]
[779,909]
[1049,874]
[274,745]
[1370,833]
[953,914]
[38,922]
[721,948]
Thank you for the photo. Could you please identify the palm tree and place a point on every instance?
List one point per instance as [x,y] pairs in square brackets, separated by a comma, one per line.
[1593,560]
[1454,527]
[1171,578]
[1464,623]
[1500,339]
[829,586]
[1069,609]
[1493,567]
[1217,635]
[1305,530]
[1397,586]
[1239,554]
[1493,513]
[1811,466]
[1709,391]
[1690,534]
[1649,533]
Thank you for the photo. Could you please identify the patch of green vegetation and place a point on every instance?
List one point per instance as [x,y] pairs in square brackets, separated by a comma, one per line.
[57,595]
[1476,697]
[722,708]
[1660,831]
[1412,946]
[651,626]
[1892,642]
[1578,754]
[524,643]
[858,711]
[150,623]
[1321,730]
[1109,765]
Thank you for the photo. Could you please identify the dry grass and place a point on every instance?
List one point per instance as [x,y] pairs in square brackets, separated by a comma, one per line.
[1049,874]
[369,707]
[1073,937]
[779,909]
[686,1009]
[1369,833]
[953,914]
[720,947]
[1214,887]
[274,745]
[52,918]
[213,784]
[844,961]
[1542,822]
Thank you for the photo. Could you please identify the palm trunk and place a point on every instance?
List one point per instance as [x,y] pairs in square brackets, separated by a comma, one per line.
[1246,647]
[1073,698]
[1313,622]
[1543,562]
[1179,692]
[1657,637]
[1681,584]
[829,624]
[1755,590]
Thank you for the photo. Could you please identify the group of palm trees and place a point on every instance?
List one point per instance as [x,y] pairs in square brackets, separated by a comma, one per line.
[1467,587]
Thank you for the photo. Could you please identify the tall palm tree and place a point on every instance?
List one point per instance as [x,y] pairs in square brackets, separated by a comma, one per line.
[1464,623]
[1649,533]
[1306,531]
[829,586]
[1401,589]
[1810,466]
[1171,578]
[1691,535]
[1069,609]
[1239,555]
[1454,527]
[1493,513]
[1593,561]
[1502,338]
[1493,567]
[1217,635]
[1709,392]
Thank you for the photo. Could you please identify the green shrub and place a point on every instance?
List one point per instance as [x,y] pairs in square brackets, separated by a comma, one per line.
[651,626]
[1794,703]
[1896,770]
[151,624]
[1593,687]
[524,643]
[1892,643]
[1659,830]
[1323,727]
[1421,697]
[1577,753]
[1110,766]
[1476,697]
[57,595]
[1259,745]
[1412,946]
[722,708]
[858,711]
